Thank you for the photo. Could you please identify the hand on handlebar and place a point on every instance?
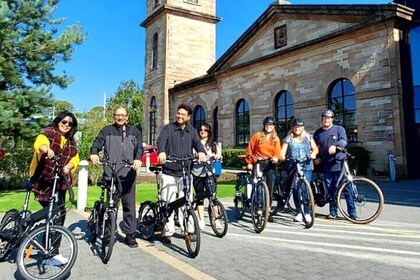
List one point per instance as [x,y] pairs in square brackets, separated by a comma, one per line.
[94,159]
[332,150]
[202,157]
[136,164]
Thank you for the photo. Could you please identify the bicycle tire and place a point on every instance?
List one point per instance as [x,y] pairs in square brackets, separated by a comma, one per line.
[31,255]
[260,201]
[240,199]
[306,203]
[217,212]
[192,233]
[8,226]
[369,201]
[108,239]
[146,221]
[93,222]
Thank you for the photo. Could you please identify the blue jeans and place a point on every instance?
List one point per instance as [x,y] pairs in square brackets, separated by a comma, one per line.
[308,176]
[330,179]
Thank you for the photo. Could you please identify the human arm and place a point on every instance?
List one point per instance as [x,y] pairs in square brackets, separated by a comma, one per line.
[314,149]
[283,151]
[97,147]
[341,141]
[72,165]
[138,150]
[250,150]
[42,146]
[161,144]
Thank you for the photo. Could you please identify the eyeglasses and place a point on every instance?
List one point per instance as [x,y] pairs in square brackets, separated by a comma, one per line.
[66,122]
[203,129]
[120,115]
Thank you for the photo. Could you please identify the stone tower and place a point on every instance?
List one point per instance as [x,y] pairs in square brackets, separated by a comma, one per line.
[180,46]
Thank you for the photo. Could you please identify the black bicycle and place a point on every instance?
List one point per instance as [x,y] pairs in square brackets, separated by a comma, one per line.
[364,194]
[102,222]
[282,193]
[40,241]
[259,201]
[153,216]
[217,212]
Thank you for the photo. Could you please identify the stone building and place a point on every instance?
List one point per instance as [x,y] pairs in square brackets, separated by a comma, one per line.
[293,61]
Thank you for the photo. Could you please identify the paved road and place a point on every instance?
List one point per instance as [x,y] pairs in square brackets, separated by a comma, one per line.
[389,248]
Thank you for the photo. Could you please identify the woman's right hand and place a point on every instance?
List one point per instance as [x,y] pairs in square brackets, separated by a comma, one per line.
[249,166]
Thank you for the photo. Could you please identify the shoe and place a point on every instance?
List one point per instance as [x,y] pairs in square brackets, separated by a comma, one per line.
[218,224]
[57,260]
[331,217]
[354,217]
[166,240]
[270,219]
[298,218]
[202,224]
[308,218]
[131,241]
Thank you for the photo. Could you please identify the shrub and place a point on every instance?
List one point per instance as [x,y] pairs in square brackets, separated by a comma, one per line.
[230,158]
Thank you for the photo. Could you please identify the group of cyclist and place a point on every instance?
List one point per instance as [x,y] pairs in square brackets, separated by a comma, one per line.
[321,148]
[121,141]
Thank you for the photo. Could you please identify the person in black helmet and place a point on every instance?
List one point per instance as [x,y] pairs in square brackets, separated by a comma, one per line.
[299,144]
[329,137]
[265,144]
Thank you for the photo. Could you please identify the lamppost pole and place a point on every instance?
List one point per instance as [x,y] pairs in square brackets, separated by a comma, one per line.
[104,116]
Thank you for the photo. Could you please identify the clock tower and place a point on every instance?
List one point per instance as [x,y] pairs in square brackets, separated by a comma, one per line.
[180,46]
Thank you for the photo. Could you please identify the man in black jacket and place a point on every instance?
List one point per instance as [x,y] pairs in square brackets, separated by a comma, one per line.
[121,141]
[176,139]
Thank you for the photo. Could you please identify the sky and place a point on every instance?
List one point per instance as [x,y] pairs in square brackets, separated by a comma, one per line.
[114,49]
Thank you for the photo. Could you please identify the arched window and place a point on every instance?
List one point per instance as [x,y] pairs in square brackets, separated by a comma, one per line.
[199,116]
[152,121]
[157,3]
[342,100]
[155,51]
[216,123]
[242,123]
[283,112]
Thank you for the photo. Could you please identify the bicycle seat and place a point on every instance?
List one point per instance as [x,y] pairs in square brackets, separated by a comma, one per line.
[156,169]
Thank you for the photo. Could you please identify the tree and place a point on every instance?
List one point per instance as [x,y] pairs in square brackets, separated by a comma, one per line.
[30,47]
[129,95]
[62,105]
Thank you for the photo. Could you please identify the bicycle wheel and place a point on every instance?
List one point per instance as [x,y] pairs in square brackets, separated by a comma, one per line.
[218,217]
[291,203]
[108,238]
[366,196]
[146,221]
[306,203]
[93,223]
[260,206]
[35,260]
[192,233]
[8,233]
[240,198]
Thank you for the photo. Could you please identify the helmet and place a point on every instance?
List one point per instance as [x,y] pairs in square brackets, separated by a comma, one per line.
[269,120]
[297,122]
[327,113]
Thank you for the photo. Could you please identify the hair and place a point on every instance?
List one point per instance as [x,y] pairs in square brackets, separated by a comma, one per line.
[274,137]
[60,117]
[210,141]
[302,135]
[120,107]
[186,108]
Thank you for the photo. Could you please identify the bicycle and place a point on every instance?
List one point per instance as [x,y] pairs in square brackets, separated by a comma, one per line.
[217,212]
[37,237]
[102,222]
[153,216]
[365,194]
[282,193]
[259,201]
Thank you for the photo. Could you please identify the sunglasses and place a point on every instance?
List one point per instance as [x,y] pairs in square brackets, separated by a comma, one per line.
[206,130]
[66,122]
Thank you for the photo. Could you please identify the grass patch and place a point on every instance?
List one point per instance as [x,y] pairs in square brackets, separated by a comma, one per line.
[14,198]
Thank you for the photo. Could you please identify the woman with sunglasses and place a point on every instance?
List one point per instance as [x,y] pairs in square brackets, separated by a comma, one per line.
[199,172]
[57,139]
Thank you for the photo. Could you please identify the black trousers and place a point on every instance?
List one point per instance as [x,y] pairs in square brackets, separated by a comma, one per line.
[128,198]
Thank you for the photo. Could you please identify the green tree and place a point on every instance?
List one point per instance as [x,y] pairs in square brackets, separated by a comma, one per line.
[30,47]
[128,95]
[62,105]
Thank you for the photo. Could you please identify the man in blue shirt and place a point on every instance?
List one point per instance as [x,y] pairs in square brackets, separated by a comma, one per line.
[330,138]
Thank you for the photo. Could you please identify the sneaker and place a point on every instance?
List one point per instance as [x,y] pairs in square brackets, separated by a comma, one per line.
[131,241]
[308,218]
[331,217]
[57,260]
[353,217]
[166,240]
[270,219]
[298,218]
[202,224]
[218,224]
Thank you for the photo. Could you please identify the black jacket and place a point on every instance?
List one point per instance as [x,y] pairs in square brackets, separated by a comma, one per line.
[119,145]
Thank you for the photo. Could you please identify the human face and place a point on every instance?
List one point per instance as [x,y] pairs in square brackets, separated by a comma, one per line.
[182,117]
[297,130]
[65,125]
[269,127]
[204,132]
[120,117]
[327,122]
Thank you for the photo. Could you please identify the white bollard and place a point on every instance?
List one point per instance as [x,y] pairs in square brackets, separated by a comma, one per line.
[82,184]
[147,162]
